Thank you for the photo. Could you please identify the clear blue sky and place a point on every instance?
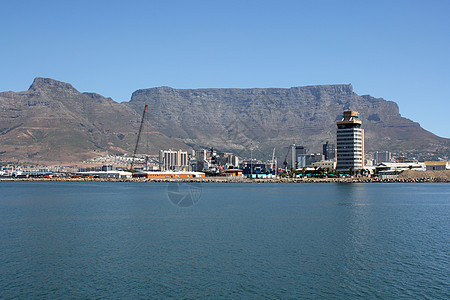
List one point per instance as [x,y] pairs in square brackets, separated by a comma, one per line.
[397,50]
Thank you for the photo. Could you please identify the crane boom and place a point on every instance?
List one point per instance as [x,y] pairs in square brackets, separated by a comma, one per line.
[273,160]
[285,163]
[138,137]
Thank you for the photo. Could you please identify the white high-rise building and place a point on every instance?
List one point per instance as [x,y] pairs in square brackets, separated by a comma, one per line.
[173,160]
[350,142]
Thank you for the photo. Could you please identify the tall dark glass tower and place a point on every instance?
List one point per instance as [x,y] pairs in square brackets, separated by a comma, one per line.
[329,151]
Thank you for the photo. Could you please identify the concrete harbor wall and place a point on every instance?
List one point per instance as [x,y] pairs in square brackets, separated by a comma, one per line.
[412,179]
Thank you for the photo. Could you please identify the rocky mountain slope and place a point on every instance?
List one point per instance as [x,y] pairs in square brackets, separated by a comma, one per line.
[52,121]
[263,118]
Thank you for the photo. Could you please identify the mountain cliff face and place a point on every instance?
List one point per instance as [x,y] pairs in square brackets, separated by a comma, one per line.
[52,121]
[263,118]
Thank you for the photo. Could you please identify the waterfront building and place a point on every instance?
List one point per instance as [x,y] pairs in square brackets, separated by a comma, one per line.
[312,158]
[169,174]
[201,155]
[173,160]
[102,174]
[227,159]
[301,161]
[107,168]
[389,168]
[437,165]
[329,151]
[384,156]
[298,157]
[325,164]
[234,173]
[293,157]
[253,167]
[350,142]
[401,159]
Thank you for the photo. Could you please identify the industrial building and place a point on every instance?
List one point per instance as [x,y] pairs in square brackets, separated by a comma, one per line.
[389,168]
[234,173]
[105,171]
[437,165]
[350,142]
[169,174]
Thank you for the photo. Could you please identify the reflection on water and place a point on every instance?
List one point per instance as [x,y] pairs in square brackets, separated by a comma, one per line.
[126,240]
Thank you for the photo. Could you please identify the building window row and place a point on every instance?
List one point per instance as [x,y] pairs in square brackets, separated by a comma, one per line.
[349,135]
[349,146]
[343,145]
[349,141]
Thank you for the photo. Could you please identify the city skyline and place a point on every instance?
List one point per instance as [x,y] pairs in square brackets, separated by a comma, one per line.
[392,50]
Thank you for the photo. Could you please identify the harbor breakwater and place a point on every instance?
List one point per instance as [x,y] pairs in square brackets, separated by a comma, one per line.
[244,180]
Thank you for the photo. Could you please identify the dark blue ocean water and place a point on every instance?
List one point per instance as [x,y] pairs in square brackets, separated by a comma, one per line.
[155,240]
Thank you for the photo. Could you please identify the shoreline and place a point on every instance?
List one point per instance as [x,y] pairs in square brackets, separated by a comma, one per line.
[242,180]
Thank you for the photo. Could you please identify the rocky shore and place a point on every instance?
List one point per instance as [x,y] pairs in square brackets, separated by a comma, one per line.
[406,177]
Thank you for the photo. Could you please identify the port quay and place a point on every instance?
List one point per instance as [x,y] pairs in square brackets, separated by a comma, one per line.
[406,177]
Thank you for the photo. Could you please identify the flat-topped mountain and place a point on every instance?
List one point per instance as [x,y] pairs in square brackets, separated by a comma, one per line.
[263,118]
[52,121]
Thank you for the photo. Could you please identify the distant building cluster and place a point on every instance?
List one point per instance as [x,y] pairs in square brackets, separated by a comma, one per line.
[345,155]
[202,160]
[348,154]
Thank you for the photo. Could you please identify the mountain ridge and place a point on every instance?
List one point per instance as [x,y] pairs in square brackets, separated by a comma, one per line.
[305,115]
[54,121]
